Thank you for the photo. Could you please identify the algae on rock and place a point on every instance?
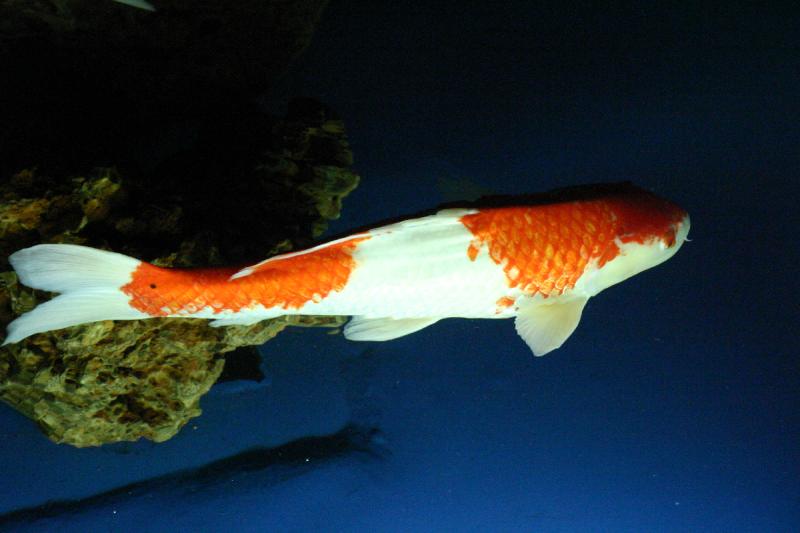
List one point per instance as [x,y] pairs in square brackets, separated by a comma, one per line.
[173,100]
[115,381]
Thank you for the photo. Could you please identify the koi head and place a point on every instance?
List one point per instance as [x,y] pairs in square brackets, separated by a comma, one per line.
[646,219]
[648,230]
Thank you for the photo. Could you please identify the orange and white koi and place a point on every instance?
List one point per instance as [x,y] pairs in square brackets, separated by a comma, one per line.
[537,259]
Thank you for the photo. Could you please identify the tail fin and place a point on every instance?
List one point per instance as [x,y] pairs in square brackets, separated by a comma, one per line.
[89,280]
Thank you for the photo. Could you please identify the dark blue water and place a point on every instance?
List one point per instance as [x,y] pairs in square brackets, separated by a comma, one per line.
[674,407]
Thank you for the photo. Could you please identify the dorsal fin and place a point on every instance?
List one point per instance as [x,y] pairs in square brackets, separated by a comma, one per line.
[444,217]
[345,242]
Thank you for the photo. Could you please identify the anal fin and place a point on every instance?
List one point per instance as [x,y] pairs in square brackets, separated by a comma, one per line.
[384,329]
[546,326]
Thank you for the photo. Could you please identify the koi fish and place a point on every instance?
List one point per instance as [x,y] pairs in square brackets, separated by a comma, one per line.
[537,259]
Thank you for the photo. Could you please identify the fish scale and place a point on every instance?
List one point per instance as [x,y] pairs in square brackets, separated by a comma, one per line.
[288,283]
[541,260]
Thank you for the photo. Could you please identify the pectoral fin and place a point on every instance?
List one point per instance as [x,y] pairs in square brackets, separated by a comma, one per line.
[545,326]
[383,329]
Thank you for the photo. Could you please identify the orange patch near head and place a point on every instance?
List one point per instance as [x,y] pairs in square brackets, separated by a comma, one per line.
[288,283]
[544,249]
[503,303]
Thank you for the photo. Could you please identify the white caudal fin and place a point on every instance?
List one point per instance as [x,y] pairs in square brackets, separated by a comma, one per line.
[89,280]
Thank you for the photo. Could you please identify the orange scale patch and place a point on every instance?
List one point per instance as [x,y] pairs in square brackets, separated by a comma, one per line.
[287,283]
[544,249]
[503,303]
[169,291]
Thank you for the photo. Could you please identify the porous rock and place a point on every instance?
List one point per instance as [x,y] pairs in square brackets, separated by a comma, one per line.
[113,381]
[166,107]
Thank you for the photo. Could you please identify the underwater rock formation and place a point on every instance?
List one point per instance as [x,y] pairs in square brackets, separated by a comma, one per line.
[107,381]
[189,171]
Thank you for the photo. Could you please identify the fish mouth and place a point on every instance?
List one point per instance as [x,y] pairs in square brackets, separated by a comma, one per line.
[676,235]
[682,229]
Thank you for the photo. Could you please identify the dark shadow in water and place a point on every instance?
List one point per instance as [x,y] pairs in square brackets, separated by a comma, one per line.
[242,363]
[279,464]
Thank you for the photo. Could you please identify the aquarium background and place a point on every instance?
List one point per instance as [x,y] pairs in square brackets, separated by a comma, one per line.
[673,407]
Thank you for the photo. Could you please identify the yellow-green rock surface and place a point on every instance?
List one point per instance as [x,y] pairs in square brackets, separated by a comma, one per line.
[114,381]
[146,133]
